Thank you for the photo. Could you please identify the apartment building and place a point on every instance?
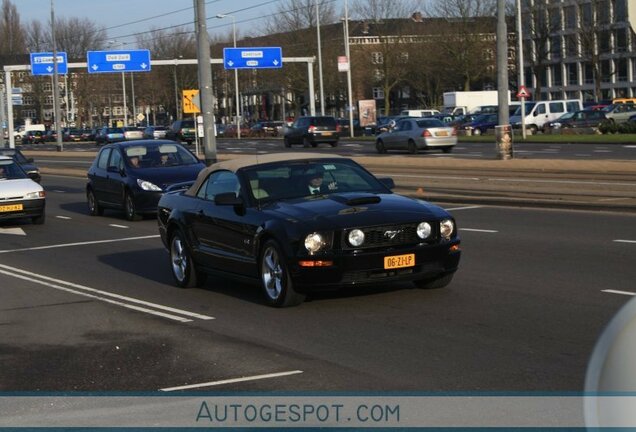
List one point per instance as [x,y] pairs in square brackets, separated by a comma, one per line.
[582,49]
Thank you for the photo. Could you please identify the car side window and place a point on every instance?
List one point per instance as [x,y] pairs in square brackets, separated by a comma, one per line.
[556,107]
[219,182]
[115,160]
[406,125]
[102,162]
[540,109]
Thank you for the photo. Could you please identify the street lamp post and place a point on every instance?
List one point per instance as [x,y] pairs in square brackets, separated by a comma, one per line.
[322,92]
[177,113]
[522,78]
[348,54]
[236,83]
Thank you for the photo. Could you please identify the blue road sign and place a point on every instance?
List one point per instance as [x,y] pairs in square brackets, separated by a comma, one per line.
[42,63]
[253,58]
[118,61]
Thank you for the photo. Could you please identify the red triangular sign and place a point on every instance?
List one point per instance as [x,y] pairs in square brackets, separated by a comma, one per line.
[523,92]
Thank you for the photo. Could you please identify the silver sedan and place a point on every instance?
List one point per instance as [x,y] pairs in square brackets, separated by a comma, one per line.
[413,134]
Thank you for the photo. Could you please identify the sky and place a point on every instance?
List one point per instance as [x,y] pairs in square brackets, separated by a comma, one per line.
[123,18]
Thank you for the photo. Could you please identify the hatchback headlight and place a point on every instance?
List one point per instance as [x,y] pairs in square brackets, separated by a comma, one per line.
[424,230]
[147,186]
[356,238]
[314,242]
[34,195]
[446,228]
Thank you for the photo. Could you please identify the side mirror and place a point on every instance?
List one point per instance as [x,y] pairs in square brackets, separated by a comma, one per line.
[35,176]
[228,199]
[388,182]
[535,113]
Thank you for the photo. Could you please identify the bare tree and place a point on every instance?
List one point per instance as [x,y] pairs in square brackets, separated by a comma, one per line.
[11,31]
[466,39]
[300,14]
[594,40]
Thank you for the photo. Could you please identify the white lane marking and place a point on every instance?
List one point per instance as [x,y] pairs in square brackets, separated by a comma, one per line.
[614,199]
[602,151]
[479,230]
[464,208]
[630,146]
[626,293]
[429,177]
[100,295]
[12,231]
[118,226]
[624,241]
[78,244]
[560,182]
[58,191]
[232,381]
[63,217]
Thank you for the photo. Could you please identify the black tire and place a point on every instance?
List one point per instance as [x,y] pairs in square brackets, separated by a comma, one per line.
[286,142]
[276,282]
[436,283]
[412,147]
[447,149]
[534,129]
[39,220]
[184,270]
[129,208]
[307,143]
[94,209]
[334,144]
[379,146]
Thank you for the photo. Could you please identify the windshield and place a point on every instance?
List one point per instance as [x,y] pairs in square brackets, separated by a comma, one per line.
[529,106]
[293,180]
[158,156]
[10,170]
[15,154]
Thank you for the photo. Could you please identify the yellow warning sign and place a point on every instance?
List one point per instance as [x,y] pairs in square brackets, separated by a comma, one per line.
[191,104]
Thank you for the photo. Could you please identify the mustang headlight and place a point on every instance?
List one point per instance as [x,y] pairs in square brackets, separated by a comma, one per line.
[446,228]
[356,238]
[147,186]
[424,230]
[314,242]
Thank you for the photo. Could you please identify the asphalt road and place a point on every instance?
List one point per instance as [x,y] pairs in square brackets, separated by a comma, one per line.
[360,147]
[87,303]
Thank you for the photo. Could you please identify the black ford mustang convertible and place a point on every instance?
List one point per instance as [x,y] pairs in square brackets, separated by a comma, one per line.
[298,223]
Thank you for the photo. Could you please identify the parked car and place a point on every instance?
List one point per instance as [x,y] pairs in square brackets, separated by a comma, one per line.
[481,124]
[556,124]
[132,133]
[155,132]
[88,134]
[311,131]
[133,175]
[50,136]
[27,164]
[20,196]
[231,132]
[220,129]
[254,218]
[34,137]
[619,113]
[584,119]
[182,131]
[109,135]
[413,134]
[71,135]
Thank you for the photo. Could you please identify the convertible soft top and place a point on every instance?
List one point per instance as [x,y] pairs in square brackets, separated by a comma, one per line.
[252,160]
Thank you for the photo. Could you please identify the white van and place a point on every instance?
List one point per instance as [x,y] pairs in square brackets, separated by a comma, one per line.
[419,112]
[22,130]
[538,114]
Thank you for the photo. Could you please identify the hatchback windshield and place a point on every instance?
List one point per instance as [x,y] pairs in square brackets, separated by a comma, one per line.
[158,156]
[9,170]
[324,121]
[15,154]
[287,180]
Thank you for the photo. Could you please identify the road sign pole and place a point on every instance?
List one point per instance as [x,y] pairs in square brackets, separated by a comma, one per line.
[205,82]
[8,85]
[521,71]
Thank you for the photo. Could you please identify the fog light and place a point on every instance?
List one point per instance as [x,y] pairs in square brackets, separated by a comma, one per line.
[424,230]
[356,238]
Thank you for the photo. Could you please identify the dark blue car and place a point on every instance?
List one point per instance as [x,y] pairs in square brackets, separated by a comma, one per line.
[133,175]
[482,123]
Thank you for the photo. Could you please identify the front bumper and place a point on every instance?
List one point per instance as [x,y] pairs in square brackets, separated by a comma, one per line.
[147,201]
[367,267]
[30,208]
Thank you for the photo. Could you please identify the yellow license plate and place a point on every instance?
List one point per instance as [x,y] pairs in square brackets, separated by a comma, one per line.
[442,133]
[10,208]
[399,261]
[326,134]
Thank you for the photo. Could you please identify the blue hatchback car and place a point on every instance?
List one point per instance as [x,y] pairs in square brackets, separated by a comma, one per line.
[133,175]
[482,123]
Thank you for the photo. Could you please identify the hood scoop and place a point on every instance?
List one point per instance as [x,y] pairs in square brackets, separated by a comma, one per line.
[357,199]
